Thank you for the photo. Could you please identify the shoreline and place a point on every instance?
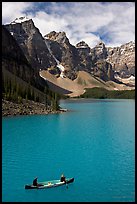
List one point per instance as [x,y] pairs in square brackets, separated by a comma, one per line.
[26,108]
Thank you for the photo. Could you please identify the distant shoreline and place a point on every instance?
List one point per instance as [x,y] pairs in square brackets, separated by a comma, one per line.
[26,108]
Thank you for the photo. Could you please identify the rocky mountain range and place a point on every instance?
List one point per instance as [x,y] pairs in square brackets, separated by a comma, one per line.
[122,59]
[21,83]
[56,58]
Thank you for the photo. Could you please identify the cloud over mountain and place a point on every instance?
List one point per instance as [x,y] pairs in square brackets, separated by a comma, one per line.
[111,22]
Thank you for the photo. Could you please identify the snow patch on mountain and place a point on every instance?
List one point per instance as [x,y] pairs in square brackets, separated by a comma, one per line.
[42,76]
[48,46]
[61,68]
[20,20]
[132,78]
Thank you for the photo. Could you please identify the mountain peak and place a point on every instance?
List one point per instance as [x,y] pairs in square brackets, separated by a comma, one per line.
[100,44]
[82,44]
[56,36]
[20,20]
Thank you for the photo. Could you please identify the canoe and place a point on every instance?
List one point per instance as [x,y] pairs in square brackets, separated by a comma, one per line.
[49,184]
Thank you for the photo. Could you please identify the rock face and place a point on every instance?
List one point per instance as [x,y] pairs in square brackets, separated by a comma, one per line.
[82,44]
[54,52]
[14,60]
[102,68]
[122,59]
[86,62]
[99,52]
[32,43]
[64,52]
[19,79]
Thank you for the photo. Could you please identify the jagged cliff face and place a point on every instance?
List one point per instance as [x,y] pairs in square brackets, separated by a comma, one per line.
[79,58]
[86,62]
[94,60]
[32,43]
[64,52]
[14,60]
[54,52]
[99,52]
[122,59]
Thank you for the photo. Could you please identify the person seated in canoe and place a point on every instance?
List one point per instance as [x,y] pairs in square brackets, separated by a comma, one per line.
[63,178]
[35,182]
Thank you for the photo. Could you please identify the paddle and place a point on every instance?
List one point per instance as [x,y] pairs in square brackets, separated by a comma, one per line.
[64,179]
[66,184]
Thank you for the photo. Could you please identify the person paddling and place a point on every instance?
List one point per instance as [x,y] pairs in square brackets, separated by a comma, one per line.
[63,178]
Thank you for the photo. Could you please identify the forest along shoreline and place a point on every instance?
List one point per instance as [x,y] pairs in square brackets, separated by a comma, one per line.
[26,108]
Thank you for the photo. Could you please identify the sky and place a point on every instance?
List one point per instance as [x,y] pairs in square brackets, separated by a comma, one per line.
[92,22]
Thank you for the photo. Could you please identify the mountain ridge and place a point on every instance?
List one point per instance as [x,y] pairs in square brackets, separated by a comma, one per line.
[54,53]
[20,81]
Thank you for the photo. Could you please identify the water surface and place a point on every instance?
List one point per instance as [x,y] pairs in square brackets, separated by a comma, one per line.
[94,143]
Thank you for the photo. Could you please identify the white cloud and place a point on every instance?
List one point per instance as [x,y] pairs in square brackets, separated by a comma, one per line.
[113,22]
[12,10]
[47,23]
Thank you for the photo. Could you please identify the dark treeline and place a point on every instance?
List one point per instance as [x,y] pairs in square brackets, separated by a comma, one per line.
[15,90]
[102,93]
[19,79]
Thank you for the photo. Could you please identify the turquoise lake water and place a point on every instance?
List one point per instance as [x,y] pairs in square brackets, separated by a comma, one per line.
[94,143]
